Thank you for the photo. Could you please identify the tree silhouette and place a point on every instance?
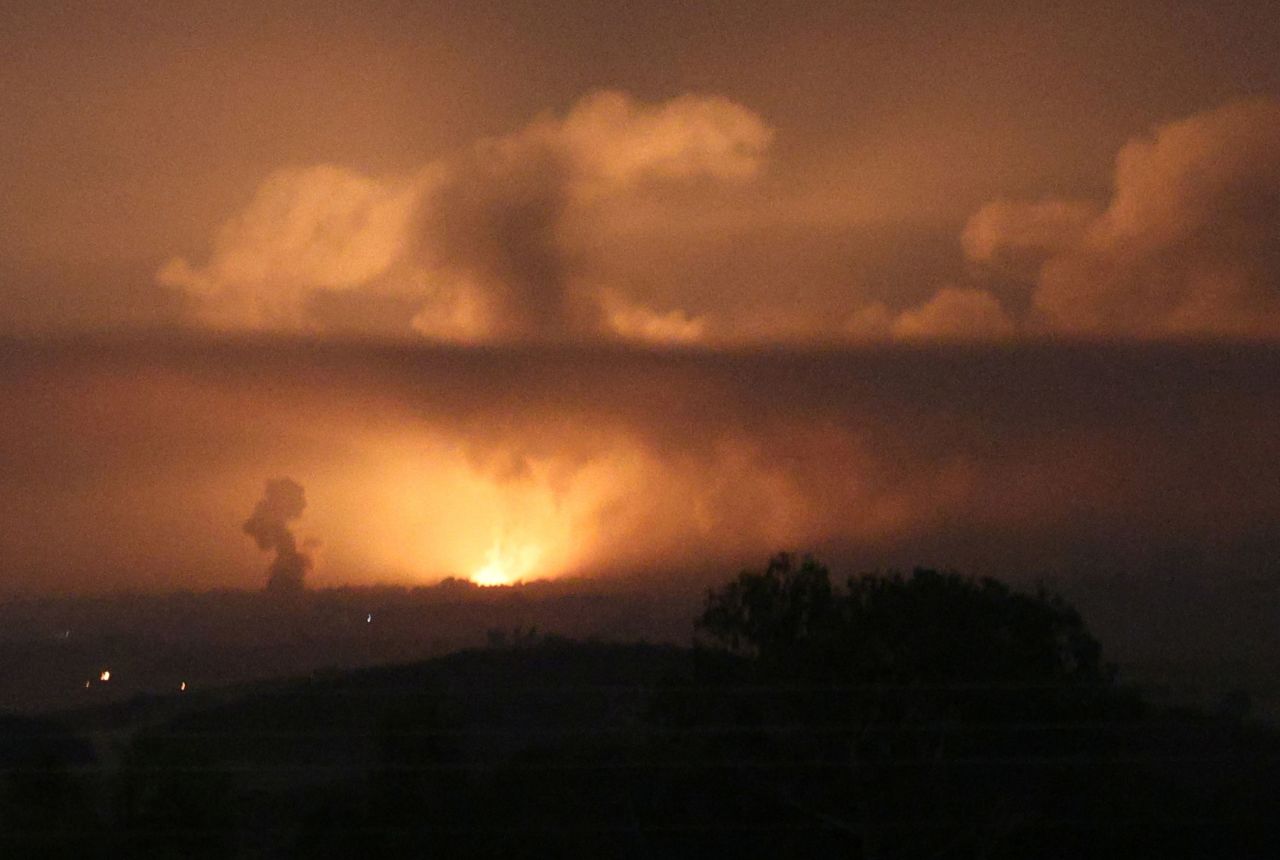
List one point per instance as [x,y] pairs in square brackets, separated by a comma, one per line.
[929,627]
[899,709]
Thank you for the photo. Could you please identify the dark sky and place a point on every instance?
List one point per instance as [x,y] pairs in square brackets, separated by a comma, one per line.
[991,283]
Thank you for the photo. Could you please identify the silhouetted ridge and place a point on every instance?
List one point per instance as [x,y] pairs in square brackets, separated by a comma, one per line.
[927,715]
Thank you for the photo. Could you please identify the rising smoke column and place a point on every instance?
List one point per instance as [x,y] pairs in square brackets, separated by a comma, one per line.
[282,500]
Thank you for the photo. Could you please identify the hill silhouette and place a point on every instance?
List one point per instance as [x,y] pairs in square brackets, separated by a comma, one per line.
[787,740]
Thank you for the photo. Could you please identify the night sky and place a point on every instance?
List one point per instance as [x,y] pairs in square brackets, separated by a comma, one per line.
[527,289]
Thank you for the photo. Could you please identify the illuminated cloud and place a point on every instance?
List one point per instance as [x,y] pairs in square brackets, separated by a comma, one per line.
[138,458]
[612,142]
[306,229]
[955,313]
[489,244]
[1006,231]
[630,321]
[870,323]
[454,310]
[518,238]
[1186,245]
[951,314]
[514,227]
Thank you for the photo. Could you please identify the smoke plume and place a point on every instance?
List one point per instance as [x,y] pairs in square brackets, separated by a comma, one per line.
[494,243]
[281,501]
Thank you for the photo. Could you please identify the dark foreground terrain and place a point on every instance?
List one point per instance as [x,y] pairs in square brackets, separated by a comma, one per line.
[931,717]
[53,650]
[563,749]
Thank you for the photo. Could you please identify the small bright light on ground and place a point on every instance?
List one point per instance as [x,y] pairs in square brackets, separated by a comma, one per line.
[86,684]
[105,676]
[368,619]
[182,688]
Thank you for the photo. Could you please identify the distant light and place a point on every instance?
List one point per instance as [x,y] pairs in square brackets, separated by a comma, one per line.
[368,619]
[105,676]
[86,684]
[182,688]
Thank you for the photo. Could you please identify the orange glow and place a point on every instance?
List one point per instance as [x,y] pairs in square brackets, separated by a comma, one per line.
[506,565]
[432,507]
[104,676]
[440,511]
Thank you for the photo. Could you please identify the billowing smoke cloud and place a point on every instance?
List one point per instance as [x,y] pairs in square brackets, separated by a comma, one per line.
[282,501]
[1022,459]
[490,244]
[517,238]
[1186,246]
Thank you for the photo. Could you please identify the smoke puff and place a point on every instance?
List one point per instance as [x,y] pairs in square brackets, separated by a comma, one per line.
[282,500]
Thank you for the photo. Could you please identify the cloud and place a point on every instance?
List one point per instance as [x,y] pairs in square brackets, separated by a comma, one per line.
[631,321]
[306,229]
[1006,231]
[955,313]
[132,461]
[524,237]
[491,243]
[870,323]
[1186,245]
[614,143]
[950,314]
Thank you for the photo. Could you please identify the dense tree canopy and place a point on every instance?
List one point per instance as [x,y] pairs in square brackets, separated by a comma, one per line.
[928,627]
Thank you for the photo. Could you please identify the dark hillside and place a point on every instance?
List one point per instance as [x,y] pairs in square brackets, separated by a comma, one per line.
[888,717]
